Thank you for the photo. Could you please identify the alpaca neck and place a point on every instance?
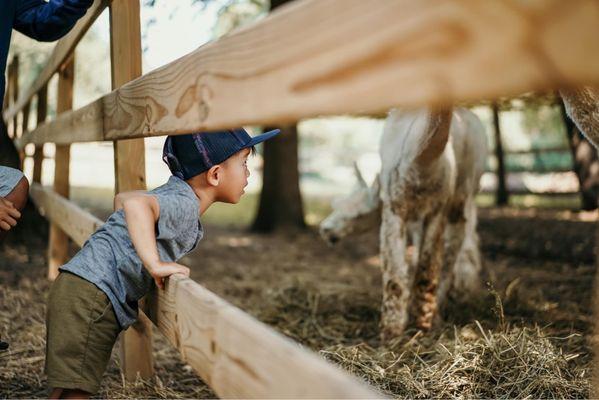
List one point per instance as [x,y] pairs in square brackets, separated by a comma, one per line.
[435,136]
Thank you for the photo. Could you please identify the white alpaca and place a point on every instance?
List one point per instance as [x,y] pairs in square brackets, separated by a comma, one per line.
[424,195]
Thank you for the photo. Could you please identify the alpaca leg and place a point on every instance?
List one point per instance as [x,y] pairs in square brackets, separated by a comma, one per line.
[454,240]
[424,304]
[397,275]
[468,265]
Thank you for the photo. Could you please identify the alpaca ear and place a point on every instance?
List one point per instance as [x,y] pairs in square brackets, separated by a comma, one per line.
[376,185]
[374,192]
[436,135]
[359,176]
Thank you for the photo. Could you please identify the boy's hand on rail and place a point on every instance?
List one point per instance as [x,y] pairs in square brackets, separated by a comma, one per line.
[8,214]
[161,270]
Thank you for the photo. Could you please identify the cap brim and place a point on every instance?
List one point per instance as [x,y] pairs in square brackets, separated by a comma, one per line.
[261,138]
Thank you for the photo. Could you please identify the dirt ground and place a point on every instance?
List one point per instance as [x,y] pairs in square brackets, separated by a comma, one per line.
[539,269]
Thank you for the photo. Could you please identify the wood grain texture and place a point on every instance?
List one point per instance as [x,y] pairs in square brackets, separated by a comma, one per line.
[76,222]
[238,356]
[58,241]
[63,50]
[14,78]
[82,125]
[129,164]
[314,58]
[25,128]
[42,112]
[364,57]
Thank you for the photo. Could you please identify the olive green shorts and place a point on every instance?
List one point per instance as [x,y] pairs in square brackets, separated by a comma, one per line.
[81,330]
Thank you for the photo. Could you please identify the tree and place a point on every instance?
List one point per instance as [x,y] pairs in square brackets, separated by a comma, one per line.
[280,204]
[501,198]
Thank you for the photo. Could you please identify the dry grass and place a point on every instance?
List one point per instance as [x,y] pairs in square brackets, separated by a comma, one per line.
[474,363]
[526,338]
[504,361]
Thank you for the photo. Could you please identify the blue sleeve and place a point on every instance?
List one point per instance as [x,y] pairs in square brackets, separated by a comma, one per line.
[48,21]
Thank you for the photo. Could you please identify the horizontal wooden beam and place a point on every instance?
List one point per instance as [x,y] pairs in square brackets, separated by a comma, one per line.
[326,57]
[238,356]
[82,125]
[60,55]
[362,57]
[73,220]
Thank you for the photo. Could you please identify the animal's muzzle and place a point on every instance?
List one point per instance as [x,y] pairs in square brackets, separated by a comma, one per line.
[329,236]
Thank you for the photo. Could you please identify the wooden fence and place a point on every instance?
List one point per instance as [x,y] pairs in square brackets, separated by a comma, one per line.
[309,58]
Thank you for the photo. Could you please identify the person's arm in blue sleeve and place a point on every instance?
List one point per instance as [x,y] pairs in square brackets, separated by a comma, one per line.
[48,21]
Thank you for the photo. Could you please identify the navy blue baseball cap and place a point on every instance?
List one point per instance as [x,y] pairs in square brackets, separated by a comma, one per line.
[191,154]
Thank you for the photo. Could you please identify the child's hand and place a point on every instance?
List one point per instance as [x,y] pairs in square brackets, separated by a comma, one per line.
[161,270]
[8,214]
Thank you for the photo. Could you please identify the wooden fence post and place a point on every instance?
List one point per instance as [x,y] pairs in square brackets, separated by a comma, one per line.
[24,129]
[58,244]
[15,91]
[42,112]
[129,162]
[7,96]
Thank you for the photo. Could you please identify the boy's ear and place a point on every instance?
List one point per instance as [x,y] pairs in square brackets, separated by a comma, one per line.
[213,175]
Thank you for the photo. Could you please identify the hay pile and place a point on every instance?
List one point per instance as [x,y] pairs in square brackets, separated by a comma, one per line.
[506,361]
[518,363]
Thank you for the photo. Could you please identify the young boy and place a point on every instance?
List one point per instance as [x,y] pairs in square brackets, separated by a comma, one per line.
[95,296]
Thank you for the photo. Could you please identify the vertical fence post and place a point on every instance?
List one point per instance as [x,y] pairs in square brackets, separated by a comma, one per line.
[24,129]
[58,245]
[129,162]
[7,96]
[42,111]
[15,92]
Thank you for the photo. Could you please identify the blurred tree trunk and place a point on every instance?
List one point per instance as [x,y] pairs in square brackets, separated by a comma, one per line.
[585,162]
[280,199]
[501,197]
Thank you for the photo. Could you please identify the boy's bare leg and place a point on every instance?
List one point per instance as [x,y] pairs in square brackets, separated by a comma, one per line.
[60,393]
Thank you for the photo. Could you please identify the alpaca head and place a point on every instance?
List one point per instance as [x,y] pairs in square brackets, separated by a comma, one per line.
[354,213]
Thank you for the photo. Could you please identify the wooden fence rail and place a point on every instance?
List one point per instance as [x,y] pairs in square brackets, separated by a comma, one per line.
[348,62]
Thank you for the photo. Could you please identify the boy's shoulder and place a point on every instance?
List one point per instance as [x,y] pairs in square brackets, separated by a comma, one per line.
[176,197]
[175,185]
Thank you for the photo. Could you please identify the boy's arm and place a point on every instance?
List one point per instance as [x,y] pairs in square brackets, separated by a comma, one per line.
[120,198]
[141,213]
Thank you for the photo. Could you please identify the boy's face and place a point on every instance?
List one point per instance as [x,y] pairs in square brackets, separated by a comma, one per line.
[235,174]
